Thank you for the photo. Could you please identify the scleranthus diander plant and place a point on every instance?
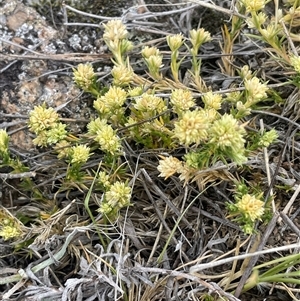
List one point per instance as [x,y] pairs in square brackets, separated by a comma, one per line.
[132,109]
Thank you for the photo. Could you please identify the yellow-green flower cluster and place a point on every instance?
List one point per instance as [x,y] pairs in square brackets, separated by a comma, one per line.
[4,139]
[256,20]
[115,37]
[228,136]
[122,75]
[149,105]
[110,104]
[212,100]
[256,91]
[253,5]
[79,154]
[9,228]
[250,207]
[268,138]
[199,37]
[175,41]
[270,33]
[105,136]
[115,31]
[134,92]
[245,73]
[182,100]
[117,197]
[103,179]
[42,119]
[295,62]
[63,149]
[8,232]
[153,60]
[192,127]
[169,166]
[84,76]
[44,122]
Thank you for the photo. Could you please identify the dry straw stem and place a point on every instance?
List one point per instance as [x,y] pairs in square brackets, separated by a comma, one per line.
[200,267]
[266,157]
[8,176]
[213,287]
[218,8]
[129,15]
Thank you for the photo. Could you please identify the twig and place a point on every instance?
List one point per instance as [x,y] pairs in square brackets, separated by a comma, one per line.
[210,285]
[29,174]
[289,222]
[266,157]
[204,266]
[254,259]
[290,202]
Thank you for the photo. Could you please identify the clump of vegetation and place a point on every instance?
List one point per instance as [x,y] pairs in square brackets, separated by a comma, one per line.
[198,138]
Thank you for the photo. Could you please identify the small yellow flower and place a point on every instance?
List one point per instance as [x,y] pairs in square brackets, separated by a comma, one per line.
[295,62]
[245,73]
[270,32]
[150,103]
[56,133]
[233,97]
[251,207]
[63,149]
[226,132]
[115,96]
[149,51]
[118,195]
[115,30]
[243,109]
[192,127]
[108,140]
[198,37]
[212,100]
[211,115]
[268,138]
[256,20]
[4,138]
[79,154]
[134,92]
[154,63]
[125,46]
[103,179]
[256,91]
[42,119]
[153,60]
[182,100]
[122,75]
[254,5]
[9,231]
[187,173]
[41,139]
[105,208]
[175,41]
[96,125]
[84,76]
[113,99]
[169,166]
